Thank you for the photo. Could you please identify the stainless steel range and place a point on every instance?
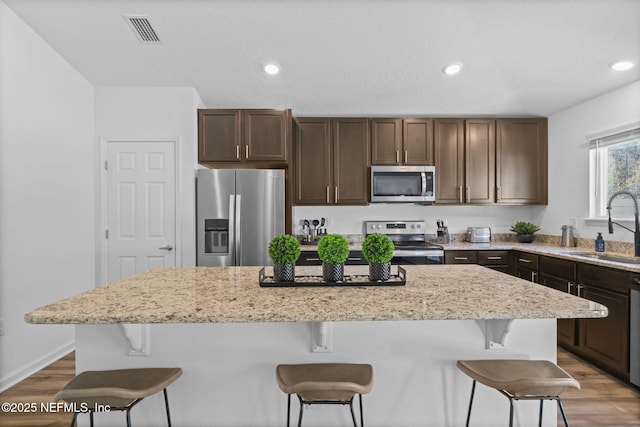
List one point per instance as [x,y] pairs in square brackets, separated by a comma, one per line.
[409,240]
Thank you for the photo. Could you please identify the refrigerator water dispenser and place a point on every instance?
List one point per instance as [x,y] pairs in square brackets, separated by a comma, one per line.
[216,236]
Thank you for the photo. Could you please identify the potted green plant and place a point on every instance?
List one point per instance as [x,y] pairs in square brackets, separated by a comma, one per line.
[377,249]
[284,251]
[333,251]
[524,231]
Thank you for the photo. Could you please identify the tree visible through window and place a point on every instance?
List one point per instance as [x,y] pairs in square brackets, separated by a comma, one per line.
[615,166]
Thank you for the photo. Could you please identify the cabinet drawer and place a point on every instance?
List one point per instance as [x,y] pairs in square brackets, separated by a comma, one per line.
[604,278]
[460,257]
[526,260]
[560,268]
[493,257]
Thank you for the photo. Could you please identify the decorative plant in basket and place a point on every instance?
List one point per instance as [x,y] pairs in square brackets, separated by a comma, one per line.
[524,231]
[333,251]
[284,251]
[377,249]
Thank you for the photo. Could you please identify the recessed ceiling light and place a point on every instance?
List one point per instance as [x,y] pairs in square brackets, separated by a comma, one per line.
[452,69]
[621,65]
[271,69]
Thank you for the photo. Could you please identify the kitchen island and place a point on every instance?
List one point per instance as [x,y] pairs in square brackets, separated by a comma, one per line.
[228,334]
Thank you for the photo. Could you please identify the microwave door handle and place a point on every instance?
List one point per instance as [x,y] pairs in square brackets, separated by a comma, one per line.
[423,175]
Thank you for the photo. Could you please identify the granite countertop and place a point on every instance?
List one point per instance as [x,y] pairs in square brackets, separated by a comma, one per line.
[232,294]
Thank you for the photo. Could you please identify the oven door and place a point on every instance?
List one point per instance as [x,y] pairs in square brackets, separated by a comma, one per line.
[417,257]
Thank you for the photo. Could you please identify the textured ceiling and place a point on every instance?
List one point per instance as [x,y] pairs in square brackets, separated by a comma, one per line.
[352,57]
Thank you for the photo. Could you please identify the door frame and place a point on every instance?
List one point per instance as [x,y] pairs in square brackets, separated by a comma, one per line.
[101,241]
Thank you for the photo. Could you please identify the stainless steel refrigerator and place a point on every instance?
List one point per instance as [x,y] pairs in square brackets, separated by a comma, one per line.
[238,212]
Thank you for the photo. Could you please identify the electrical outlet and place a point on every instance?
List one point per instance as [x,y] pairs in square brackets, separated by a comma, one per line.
[1,326]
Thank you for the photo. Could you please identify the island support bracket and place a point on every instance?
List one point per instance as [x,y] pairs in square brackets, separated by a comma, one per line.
[495,333]
[139,338]
[321,337]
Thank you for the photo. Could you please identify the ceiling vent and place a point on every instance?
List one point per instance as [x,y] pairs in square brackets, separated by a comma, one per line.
[142,27]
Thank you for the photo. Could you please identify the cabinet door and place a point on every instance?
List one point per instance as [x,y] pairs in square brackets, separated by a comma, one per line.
[417,142]
[521,161]
[386,141]
[219,135]
[526,274]
[312,165]
[449,160]
[350,165]
[480,162]
[606,340]
[566,327]
[265,135]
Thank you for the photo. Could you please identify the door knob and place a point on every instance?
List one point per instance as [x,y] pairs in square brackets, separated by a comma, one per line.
[167,248]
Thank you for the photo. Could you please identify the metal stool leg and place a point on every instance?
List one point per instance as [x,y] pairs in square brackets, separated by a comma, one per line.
[361,417]
[564,416]
[473,390]
[91,418]
[540,417]
[288,408]
[510,412]
[353,416]
[301,409]
[74,420]
[128,417]
[166,405]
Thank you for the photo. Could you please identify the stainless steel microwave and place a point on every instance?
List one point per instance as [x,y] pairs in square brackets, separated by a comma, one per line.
[403,184]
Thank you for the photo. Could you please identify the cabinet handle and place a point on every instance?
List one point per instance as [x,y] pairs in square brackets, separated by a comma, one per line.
[460,194]
[468,194]
[636,280]
[534,275]
[570,286]
[580,288]
[335,194]
[238,152]
[398,156]
[246,151]
[312,259]
[406,156]
[526,261]
[354,259]
[328,194]
[499,191]
[494,257]
[461,258]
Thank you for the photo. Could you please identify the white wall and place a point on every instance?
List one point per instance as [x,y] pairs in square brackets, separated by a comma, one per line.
[46,193]
[569,158]
[154,112]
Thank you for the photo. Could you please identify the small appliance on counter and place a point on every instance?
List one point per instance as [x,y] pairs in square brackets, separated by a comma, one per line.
[567,240]
[479,234]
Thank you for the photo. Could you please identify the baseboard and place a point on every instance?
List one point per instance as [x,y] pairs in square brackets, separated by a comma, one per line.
[15,377]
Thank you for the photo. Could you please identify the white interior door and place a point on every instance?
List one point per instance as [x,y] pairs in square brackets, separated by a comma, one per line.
[141,207]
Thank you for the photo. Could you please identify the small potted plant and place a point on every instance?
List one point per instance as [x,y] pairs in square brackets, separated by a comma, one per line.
[524,231]
[284,251]
[333,251]
[377,249]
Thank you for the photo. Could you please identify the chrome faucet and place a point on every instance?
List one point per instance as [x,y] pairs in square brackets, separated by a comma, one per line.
[636,233]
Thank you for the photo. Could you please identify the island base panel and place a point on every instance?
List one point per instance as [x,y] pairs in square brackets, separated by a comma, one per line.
[229,371]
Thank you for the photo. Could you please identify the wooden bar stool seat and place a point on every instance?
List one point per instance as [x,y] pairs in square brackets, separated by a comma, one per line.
[520,380]
[325,383]
[118,390]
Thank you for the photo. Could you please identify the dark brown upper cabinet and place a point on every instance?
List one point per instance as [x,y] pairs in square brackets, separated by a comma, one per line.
[521,161]
[330,161]
[401,141]
[243,136]
[465,161]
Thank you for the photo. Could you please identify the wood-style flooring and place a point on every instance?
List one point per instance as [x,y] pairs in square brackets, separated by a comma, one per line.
[602,400]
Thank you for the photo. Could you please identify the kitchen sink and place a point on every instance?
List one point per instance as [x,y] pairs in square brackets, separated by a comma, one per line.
[607,257]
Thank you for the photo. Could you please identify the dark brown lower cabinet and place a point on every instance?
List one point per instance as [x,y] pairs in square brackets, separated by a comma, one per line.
[561,274]
[526,266]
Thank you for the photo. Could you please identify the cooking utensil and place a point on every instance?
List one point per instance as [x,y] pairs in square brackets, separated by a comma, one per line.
[315,223]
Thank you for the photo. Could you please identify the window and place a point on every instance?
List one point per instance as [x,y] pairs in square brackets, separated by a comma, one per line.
[615,166]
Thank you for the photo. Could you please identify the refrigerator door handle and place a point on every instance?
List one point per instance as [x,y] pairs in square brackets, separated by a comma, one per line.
[238,239]
[232,228]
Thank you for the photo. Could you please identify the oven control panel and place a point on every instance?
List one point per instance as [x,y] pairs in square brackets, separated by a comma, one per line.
[395,227]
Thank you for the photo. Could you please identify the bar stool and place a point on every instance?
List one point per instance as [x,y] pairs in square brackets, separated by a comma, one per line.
[117,390]
[325,383]
[520,380]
